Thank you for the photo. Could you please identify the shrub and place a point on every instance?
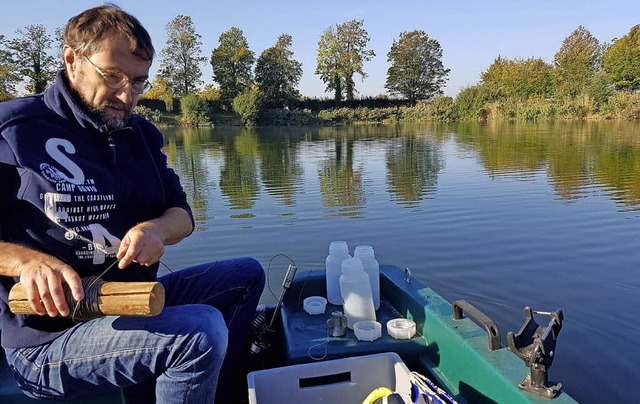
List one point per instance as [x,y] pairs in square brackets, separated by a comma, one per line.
[151,115]
[285,117]
[472,102]
[623,104]
[442,109]
[248,105]
[194,110]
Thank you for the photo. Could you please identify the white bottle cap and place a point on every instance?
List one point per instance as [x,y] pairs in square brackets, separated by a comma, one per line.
[314,305]
[401,328]
[367,330]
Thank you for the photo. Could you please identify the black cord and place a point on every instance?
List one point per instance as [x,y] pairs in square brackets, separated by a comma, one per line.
[269,271]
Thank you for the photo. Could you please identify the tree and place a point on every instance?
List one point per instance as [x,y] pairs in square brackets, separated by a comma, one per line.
[416,71]
[576,63]
[58,41]
[622,61]
[329,62]
[9,75]
[277,73]
[180,63]
[232,62]
[342,52]
[518,77]
[31,50]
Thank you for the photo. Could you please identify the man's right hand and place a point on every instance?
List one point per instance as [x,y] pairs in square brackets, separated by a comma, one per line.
[43,277]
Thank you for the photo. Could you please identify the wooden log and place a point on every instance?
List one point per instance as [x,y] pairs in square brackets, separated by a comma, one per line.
[114,299]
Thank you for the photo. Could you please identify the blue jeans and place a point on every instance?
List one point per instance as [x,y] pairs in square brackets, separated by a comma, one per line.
[196,343]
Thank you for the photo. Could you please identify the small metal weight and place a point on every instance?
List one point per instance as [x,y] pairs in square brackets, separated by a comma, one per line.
[337,324]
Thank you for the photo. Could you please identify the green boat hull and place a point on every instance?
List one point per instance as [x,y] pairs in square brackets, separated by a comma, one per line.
[453,353]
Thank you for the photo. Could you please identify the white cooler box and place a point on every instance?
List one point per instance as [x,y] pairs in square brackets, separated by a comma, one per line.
[348,380]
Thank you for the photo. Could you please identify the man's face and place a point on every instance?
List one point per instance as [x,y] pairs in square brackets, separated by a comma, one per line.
[112,107]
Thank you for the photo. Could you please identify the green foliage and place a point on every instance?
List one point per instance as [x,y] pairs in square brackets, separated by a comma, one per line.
[576,63]
[160,90]
[471,102]
[278,74]
[358,115]
[180,63]
[342,52]
[442,109]
[598,88]
[248,105]
[519,77]
[210,93]
[232,62]
[416,70]
[624,105]
[538,107]
[622,61]
[151,115]
[195,110]
[32,52]
[9,76]
[285,117]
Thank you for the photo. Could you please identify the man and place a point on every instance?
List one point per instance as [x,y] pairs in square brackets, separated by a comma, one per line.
[84,184]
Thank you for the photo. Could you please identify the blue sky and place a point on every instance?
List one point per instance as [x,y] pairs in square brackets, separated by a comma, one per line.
[471,33]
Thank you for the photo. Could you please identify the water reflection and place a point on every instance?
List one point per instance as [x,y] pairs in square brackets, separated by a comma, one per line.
[341,184]
[413,163]
[578,158]
[280,168]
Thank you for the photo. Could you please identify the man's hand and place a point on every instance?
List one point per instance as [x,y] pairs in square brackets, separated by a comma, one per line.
[43,278]
[143,244]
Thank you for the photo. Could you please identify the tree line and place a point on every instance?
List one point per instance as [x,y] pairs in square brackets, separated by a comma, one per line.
[416,71]
[583,66]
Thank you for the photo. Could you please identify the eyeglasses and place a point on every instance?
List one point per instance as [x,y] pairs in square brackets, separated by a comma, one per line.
[116,81]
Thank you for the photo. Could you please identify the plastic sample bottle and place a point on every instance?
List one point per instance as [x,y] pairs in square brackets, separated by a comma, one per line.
[355,288]
[338,251]
[372,268]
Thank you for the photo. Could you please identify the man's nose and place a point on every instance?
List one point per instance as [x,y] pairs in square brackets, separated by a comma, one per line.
[125,94]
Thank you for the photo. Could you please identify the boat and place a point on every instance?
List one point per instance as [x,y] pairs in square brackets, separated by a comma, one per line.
[456,348]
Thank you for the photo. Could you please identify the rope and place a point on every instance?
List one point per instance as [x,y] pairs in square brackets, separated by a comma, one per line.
[87,308]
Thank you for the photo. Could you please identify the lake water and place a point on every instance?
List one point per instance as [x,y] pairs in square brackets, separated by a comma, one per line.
[503,215]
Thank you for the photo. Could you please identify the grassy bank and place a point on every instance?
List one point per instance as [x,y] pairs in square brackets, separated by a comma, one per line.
[466,107]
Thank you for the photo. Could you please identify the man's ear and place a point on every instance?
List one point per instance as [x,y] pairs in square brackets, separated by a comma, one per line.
[71,59]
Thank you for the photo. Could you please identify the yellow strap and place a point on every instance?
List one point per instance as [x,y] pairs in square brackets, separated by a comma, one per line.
[377,393]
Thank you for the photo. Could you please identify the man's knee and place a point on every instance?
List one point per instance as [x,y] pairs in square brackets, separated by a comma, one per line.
[254,271]
[206,332]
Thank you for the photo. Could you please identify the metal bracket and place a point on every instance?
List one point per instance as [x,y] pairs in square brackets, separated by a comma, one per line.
[536,345]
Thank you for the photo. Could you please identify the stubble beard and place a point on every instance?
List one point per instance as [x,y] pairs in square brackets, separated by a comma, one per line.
[111,121]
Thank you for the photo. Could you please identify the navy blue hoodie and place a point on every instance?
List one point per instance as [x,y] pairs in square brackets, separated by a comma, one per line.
[72,189]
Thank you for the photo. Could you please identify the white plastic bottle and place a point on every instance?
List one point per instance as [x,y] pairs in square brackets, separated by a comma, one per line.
[338,251]
[372,268]
[356,292]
